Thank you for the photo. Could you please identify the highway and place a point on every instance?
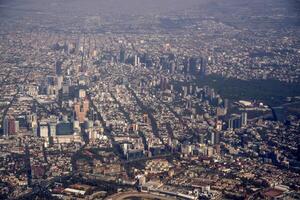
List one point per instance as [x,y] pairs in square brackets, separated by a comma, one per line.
[126,195]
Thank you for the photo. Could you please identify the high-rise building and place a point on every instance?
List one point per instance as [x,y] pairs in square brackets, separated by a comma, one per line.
[235,122]
[52,127]
[186,65]
[163,83]
[244,119]
[202,139]
[219,125]
[81,93]
[145,118]
[28,166]
[215,138]
[184,91]
[212,138]
[10,126]
[298,152]
[193,66]
[81,108]
[31,120]
[226,103]
[136,60]
[59,80]
[5,126]
[58,68]
[17,126]
[203,67]
[122,55]
[43,129]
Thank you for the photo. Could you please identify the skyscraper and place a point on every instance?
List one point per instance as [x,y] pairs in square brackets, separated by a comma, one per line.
[193,66]
[235,122]
[28,165]
[203,67]
[186,69]
[244,119]
[122,55]
[136,60]
[58,68]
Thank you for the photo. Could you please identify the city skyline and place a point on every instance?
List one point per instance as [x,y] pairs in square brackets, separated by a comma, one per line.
[140,99]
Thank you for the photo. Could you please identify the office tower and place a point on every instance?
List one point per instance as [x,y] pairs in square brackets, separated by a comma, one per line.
[148,62]
[10,126]
[17,126]
[52,127]
[5,126]
[43,129]
[244,119]
[172,67]
[44,154]
[65,89]
[31,119]
[212,138]
[76,125]
[279,114]
[203,67]
[58,68]
[81,93]
[32,123]
[21,122]
[145,118]
[35,130]
[122,55]
[191,89]
[81,109]
[202,139]
[164,62]
[59,80]
[88,124]
[65,128]
[193,66]
[210,151]
[163,83]
[49,81]
[172,87]
[235,122]
[71,48]
[186,66]
[219,125]
[185,91]
[94,53]
[28,165]
[226,103]
[298,152]
[136,60]
[221,111]
[217,137]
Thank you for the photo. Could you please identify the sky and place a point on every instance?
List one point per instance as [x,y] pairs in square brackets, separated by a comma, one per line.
[67,11]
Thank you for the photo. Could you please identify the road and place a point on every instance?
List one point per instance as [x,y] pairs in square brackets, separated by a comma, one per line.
[14,98]
[124,195]
[149,113]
